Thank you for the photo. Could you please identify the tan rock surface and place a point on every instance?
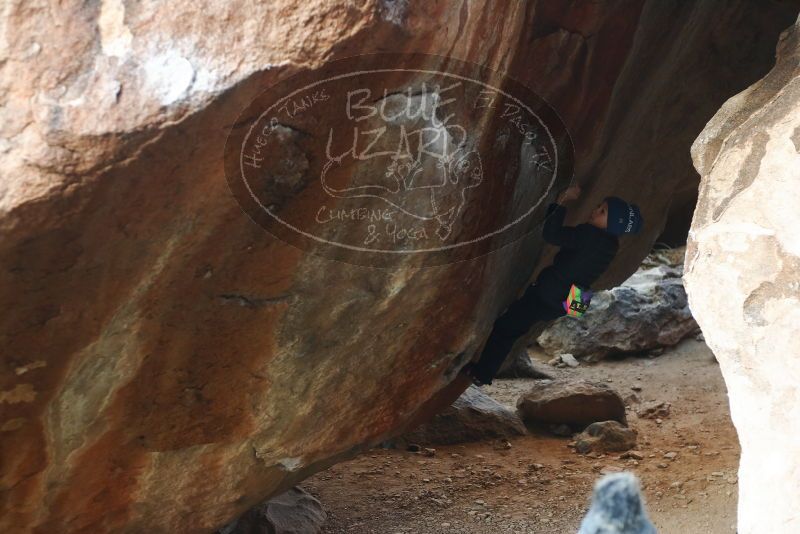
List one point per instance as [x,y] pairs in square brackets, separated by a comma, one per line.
[743,280]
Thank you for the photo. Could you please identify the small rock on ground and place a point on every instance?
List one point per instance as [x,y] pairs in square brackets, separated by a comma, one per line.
[655,410]
[605,436]
[474,416]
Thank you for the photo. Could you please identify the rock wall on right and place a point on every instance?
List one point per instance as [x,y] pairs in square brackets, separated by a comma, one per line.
[742,276]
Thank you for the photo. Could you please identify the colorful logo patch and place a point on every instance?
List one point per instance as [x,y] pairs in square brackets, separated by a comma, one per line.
[578,301]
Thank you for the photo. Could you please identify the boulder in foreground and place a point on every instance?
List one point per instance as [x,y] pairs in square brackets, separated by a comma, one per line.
[742,272]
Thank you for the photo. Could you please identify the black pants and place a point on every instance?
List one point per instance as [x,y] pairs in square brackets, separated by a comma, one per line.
[515,322]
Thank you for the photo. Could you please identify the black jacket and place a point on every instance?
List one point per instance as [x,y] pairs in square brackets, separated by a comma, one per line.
[586,252]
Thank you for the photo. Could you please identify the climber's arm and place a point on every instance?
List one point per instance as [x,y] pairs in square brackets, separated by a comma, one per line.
[554,231]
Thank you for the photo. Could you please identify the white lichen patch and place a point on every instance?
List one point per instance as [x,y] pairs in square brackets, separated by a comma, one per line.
[169,75]
[204,80]
[115,37]
[290,464]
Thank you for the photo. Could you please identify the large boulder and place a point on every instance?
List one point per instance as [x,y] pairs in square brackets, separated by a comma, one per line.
[743,280]
[167,364]
[293,512]
[648,311]
[474,416]
[576,403]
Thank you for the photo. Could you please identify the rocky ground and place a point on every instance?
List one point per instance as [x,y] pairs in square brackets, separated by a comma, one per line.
[537,483]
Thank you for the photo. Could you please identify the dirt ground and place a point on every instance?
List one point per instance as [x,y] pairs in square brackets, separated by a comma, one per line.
[538,484]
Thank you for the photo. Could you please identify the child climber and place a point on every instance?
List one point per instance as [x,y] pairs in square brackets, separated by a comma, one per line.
[586,252]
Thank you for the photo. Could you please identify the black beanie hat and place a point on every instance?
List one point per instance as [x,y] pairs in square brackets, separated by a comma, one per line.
[623,218]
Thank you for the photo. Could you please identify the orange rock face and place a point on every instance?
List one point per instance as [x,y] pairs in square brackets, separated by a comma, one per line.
[166,362]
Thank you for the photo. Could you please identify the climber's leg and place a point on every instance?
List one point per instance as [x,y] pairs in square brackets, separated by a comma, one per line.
[514,323]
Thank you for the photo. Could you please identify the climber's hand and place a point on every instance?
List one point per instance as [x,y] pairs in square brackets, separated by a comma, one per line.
[570,193]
